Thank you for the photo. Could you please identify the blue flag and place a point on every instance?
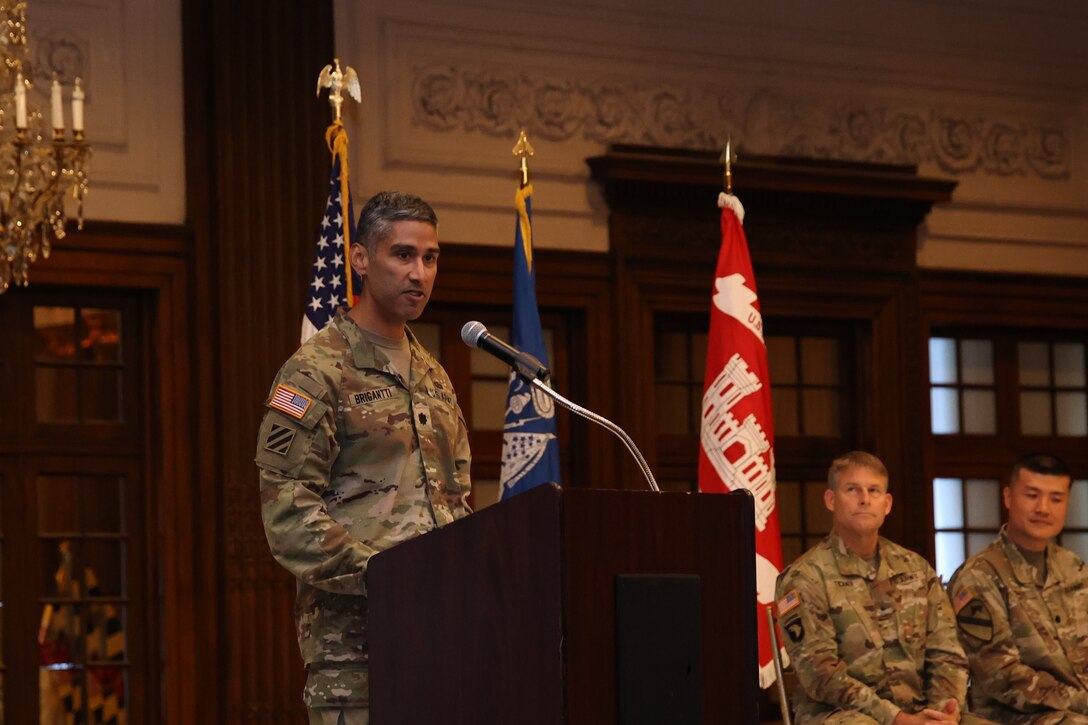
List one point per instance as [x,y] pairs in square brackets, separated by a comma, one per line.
[332,285]
[530,448]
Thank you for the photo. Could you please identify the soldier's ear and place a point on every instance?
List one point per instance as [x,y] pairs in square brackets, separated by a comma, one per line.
[829,499]
[358,259]
[888,504]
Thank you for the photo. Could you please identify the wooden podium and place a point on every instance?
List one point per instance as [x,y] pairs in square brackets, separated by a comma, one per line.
[579,606]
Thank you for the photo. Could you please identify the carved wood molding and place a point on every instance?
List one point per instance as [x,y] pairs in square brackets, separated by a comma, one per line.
[476,99]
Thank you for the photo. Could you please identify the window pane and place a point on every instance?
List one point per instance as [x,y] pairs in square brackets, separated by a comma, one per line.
[698,356]
[55,331]
[1069,365]
[784,403]
[101,331]
[1072,414]
[977,362]
[55,393]
[60,565]
[671,356]
[102,506]
[104,568]
[100,393]
[672,409]
[1078,542]
[821,411]
[942,360]
[978,542]
[482,364]
[820,361]
[695,408]
[781,360]
[979,415]
[947,503]
[488,404]
[58,505]
[945,411]
[788,502]
[1077,516]
[983,503]
[791,549]
[950,548]
[1034,364]
[817,517]
[1035,413]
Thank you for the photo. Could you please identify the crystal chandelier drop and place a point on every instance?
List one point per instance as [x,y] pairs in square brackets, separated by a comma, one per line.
[36,172]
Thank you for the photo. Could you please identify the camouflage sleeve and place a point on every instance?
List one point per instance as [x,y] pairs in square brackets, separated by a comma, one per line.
[813,648]
[946,665]
[462,461]
[295,451]
[996,667]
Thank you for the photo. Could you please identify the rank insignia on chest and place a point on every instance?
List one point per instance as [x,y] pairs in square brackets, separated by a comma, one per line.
[423,416]
[290,401]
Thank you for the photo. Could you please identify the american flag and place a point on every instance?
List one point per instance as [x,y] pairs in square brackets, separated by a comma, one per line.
[329,283]
[290,401]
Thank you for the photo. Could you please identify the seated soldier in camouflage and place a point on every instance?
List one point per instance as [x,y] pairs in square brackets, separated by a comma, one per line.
[867,624]
[1022,607]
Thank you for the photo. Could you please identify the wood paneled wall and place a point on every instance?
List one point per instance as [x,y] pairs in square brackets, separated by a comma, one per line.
[257,169]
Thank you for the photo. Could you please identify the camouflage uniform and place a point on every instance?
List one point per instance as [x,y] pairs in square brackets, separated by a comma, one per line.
[1027,641]
[353,461]
[868,642]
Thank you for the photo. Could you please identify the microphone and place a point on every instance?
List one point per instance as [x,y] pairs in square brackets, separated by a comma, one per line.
[474,334]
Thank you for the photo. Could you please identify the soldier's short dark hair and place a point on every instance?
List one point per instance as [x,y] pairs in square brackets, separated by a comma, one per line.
[1046,464]
[860,459]
[384,209]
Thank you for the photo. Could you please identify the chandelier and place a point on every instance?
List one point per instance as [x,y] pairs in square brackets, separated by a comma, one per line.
[35,172]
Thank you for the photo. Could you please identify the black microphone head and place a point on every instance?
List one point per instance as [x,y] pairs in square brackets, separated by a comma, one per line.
[472,332]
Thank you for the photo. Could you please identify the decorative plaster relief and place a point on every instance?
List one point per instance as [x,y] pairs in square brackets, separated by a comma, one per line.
[449,98]
[128,54]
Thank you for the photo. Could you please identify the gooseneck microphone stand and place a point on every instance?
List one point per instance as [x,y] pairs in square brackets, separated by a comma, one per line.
[601,421]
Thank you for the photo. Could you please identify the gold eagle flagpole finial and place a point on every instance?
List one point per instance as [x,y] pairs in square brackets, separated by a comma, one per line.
[337,81]
[727,158]
[523,150]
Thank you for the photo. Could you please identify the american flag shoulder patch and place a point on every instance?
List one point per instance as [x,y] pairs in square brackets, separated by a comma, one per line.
[292,402]
[961,599]
[788,602]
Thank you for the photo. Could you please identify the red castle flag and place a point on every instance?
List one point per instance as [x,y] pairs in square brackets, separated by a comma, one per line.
[737,437]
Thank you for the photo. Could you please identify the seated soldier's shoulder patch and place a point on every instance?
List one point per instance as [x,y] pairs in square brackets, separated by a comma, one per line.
[788,602]
[973,616]
[960,600]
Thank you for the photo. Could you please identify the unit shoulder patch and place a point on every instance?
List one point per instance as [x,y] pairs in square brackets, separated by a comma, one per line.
[975,620]
[279,439]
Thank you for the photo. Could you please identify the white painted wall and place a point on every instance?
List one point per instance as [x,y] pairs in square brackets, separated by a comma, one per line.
[992,94]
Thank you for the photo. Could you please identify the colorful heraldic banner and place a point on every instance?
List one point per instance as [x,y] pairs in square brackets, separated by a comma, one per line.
[530,448]
[737,431]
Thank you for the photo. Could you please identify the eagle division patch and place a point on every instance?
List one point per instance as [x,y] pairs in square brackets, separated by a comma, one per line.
[974,619]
